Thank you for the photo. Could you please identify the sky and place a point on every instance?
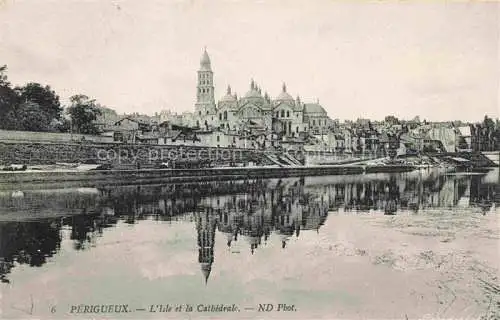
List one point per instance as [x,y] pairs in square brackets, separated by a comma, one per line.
[360,59]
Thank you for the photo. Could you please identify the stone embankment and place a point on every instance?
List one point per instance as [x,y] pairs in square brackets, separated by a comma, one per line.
[122,155]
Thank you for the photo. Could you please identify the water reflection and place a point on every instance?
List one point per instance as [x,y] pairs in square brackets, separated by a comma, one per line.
[248,209]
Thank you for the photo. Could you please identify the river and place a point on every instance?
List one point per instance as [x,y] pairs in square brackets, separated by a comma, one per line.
[414,245]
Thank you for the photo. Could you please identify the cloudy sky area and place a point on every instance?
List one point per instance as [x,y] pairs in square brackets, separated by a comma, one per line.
[436,60]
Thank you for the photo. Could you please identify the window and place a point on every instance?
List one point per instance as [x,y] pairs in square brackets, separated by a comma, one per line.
[225,115]
[288,114]
[297,129]
[218,138]
[220,116]
[282,113]
[277,114]
[314,122]
[207,111]
[199,113]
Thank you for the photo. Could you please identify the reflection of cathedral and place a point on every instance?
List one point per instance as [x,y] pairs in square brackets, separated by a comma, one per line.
[278,206]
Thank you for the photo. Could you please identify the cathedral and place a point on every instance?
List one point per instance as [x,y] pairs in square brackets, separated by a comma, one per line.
[283,116]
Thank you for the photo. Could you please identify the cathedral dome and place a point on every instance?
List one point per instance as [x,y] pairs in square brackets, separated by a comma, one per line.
[253,92]
[228,97]
[285,96]
[254,95]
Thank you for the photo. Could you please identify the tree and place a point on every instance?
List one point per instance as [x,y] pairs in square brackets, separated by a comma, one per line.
[9,99]
[45,97]
[83,112]
[489,133]
[3,76]
[62,125]
[29,116]
[488,122]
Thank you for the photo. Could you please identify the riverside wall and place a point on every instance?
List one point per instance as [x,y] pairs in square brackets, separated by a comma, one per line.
[48,137]
[39,153]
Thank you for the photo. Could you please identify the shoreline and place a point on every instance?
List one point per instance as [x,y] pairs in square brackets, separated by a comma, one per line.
[12,178]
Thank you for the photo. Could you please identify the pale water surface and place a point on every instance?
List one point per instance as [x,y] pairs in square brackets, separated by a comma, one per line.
[420,244]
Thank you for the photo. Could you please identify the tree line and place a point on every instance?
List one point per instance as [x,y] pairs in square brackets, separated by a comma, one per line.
[485,136]
[35,107]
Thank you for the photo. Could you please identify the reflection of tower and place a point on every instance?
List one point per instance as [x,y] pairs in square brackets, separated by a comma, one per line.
[205,227]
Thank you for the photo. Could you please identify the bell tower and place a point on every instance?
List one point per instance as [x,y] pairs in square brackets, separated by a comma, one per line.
[205,96]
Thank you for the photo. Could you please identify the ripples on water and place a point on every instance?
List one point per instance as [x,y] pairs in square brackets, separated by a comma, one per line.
[36,221]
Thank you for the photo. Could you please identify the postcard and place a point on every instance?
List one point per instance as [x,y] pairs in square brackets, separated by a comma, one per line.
[218,159]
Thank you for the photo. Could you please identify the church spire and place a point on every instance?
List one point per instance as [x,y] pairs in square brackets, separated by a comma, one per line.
[205,64]
[284,87]
[228,90]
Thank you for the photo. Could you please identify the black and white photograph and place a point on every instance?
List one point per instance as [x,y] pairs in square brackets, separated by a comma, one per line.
[245,159]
